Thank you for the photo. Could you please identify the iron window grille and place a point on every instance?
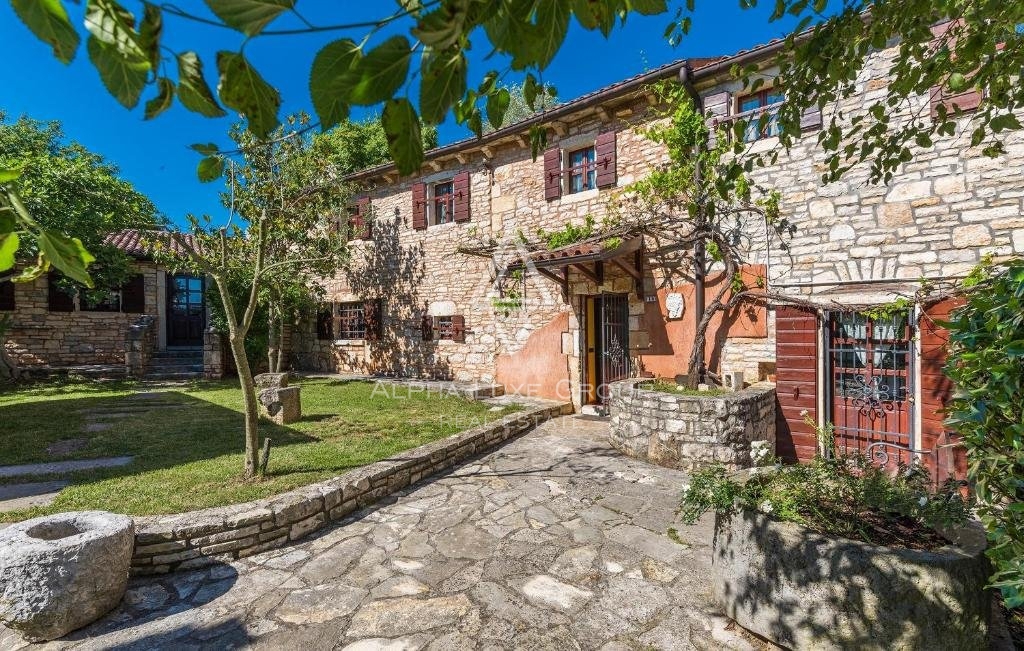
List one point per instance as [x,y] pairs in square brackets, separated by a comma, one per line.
[350,321]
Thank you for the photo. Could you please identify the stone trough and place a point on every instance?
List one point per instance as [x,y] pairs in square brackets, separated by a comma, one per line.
[685,430]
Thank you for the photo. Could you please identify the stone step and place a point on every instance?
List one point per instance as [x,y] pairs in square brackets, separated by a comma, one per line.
[184,375]
[176,368]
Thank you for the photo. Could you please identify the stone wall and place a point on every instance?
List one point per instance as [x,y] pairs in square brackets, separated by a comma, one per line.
[40,337]
[200,538]
[688,431]
[139,344]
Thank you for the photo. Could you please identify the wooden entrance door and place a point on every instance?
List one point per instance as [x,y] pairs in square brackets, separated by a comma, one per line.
[186,310]
[871,382]
[606,358]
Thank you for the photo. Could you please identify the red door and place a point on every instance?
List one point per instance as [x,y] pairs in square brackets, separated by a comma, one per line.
[870,360]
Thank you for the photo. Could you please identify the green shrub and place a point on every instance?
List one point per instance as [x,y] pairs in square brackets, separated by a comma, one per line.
[986,363]
[841,496]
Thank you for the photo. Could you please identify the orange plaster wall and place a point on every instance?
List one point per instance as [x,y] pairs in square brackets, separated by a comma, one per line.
[672,339]
[539,368]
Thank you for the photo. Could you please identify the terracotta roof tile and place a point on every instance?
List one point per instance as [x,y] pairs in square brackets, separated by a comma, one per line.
[135,242]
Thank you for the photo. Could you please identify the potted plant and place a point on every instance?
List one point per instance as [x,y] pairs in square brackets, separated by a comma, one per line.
[840,553]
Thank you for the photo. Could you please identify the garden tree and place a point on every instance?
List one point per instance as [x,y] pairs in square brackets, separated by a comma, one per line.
[701,201]
[519,109]
[66,199]
[283,195]
[987,365]
[352,146]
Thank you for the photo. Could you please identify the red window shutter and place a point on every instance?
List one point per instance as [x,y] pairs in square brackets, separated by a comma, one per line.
[427,327]
[458,328]
[460,186]
[964,102]
[796,381]
[372,316]
[6,295]
[57,299]
[133,295]
[604,156]
[419,206]
[717,109]
[552,173]
[362,227]
[936,388]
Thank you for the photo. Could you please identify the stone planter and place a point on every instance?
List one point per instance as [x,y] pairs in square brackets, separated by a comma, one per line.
[805,590]
[687,431]
[61,572]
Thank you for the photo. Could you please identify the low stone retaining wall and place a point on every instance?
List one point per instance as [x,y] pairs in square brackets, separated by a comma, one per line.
[686,431]
[200,538]
[806,590]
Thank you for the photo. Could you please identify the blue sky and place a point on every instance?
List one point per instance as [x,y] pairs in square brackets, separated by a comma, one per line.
[154,155]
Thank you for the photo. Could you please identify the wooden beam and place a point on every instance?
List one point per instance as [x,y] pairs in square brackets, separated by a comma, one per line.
[462,158]
[436,165]
[627,267]
[488,152]
[550,276]
[624,112]
[602,112]
[638,262]
[560,128]
[599,270]
[587,272]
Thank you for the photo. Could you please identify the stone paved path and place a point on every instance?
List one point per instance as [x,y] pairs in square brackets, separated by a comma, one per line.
[62,467]
[555,541]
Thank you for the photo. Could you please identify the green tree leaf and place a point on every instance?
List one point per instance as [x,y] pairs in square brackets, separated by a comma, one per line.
[442,83]
[67,254]
[648,7]
[402,128]
[244,90]
[114,25]
[207,149]
[249,16]
[9,173]
[49,21]
[381,72]
[193,91]
[552,26]
[210,168]
[331,78]
[124,77]
[163,100]
[497,106]
[8,247]
[441,27]
[150,31]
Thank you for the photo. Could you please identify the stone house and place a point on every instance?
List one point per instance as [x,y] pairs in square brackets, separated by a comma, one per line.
[418,299]
[154,325]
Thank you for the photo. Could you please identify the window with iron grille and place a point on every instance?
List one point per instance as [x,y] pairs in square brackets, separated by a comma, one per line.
[350,321]
[443,202]
[444,328]
[582,169]
[752,107]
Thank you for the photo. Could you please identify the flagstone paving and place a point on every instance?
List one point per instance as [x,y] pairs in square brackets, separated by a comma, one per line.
[554,541]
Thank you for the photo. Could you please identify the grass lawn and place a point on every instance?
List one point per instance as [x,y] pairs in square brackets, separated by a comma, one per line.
[188,455]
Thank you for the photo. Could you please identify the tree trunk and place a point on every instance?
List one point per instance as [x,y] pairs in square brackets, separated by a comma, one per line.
[252,447]
[273,338]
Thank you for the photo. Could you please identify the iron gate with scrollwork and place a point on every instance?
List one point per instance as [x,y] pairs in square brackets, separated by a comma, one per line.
[872,393]
[613,349]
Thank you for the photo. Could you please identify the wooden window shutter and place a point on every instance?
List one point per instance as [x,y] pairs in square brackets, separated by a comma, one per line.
[965,101]
[427,327]
[57,299]
[324,324]
[810,120]
[372,317]
[419,206]
[460,186]
[552,174]
[362,226]
[936,388]
[796,386]
[133,295]
[6,295]
[604,157]
[458,328]
[717,109]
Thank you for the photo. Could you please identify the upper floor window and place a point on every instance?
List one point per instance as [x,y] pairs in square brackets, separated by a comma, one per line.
[752,107]
[582,169]
[443,203]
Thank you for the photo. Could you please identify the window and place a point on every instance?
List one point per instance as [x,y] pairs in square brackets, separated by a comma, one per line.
[443,203]
[324,325]
[582,169]
[452,328]
[109,302]
[6,295]
[350,321]
[444,327]
[752,107]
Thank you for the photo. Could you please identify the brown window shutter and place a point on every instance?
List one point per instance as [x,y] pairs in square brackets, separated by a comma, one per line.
[604,156]
[717,109]
[372,317]
[796,385]
[427,327]
[963,102]
[458,328]
[810,120]
[6,295]
[552,173]
[936,388]
[133,295]
[324,324]
[363,229]
[419,206]
[460,186]
[57,299]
